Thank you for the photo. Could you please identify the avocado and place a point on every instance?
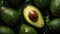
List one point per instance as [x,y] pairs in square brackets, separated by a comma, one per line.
[15,2]
[55,25]
[27,1]
[41,3]
[9,15]
[1,3]
[25,29]
[6,30]
[55,8]
[33,16]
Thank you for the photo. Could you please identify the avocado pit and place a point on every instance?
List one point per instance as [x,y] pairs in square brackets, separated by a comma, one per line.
[33,15]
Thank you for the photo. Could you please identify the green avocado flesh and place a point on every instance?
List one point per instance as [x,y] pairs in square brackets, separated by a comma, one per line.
[41,3]
[55,24]
[5,30]
[9,15]
[33,16]
[25,29]
[55,7]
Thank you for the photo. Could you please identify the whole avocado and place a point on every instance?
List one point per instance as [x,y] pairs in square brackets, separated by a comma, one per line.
[41,3]
[25,29]
[15,2]
[9,15]
[55,25]
[6,30]
[1,3]
[55,8]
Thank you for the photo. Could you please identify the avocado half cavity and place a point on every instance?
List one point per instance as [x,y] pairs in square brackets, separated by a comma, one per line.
[33,16]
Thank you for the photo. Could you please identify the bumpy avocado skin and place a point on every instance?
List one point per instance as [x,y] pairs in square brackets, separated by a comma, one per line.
[55,25]
[25,29]
[55,7]
[41,3]
[1,3]
[9,16]
[6,30]
[15,2]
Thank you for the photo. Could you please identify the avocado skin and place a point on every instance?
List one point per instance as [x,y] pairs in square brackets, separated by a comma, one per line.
[41,3]
[1,3]
[9,15]
[25,29]
[15,2]
[55,8]
[55,25]
[6,30]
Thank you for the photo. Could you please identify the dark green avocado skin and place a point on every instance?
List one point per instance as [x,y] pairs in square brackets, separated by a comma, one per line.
[6,30]
[15,2]
[9,15]
[55,25]
[25,29]
[1,3]
[41,3]
[55,7]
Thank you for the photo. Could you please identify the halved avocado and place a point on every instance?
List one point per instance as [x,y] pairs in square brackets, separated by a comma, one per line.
[33,16]
[6,30]
[25,29]
[55,8]
[9,15]
[55,25]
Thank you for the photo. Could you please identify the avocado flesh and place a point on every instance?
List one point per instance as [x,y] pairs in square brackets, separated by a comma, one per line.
[25,29]
[55,7]
[5,30]
[40,22]
[55,24]
[9,15]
